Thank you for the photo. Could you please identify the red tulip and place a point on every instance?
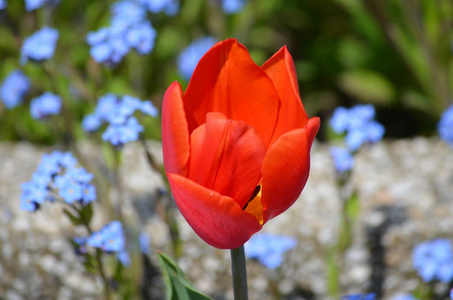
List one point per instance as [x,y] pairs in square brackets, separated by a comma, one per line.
[237,143]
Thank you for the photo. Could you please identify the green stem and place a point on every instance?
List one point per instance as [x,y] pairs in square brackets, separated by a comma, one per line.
[98,256]
[239,271]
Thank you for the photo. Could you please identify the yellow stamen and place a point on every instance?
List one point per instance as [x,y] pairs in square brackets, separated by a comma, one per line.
[255,208]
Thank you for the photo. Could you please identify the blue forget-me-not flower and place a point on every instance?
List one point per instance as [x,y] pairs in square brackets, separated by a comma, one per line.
[189,58]
[268,249]
[118,113]
[358,124]
[40,45]
[370,296]
[128,30]
[13,88]
[232,6]
[169,7]
[445,126]
[110,239]
[405,297]
[35,4]
[433,260]
[57,174]
[44,105]
[342,159]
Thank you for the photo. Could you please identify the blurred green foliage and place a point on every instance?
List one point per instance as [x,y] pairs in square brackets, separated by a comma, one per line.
[396,54]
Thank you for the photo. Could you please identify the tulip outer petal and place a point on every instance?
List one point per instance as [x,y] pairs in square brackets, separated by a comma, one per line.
[285,169]
[175,133]
[217,219]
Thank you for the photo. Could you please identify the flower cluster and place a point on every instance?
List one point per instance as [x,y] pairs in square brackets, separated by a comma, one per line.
[13,88]
[128,30]
[169,7]
[370,296]
[188,59]
[268,249]
[45,105]
[57,175]
[35,4]
[118,112]
[40,45]
[445,126]
[232,6]
[358,124]
[110,239]
[434,260]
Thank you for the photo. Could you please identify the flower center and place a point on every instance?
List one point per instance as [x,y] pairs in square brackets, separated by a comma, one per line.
[253,206]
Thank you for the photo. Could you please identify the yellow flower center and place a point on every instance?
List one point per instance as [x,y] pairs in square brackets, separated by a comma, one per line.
[254,206]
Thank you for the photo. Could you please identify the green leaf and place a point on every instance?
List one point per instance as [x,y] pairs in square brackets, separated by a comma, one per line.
[333,274]
[368,86]
[74,219]
[176,283]
[86,213]
[353,207]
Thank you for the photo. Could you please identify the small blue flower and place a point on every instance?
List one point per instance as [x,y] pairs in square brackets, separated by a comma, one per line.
[127,12]
[110,238]
[50,163]
[188,59]
[3,4]
[404,297]
[445,126]
[358,124]
[340,120]
[91,123]
[89,193]
[40,45]
[141,37]
[13,89]
[44,105]
[119,135]
[148,108]
[124,258]
[342,158]
[96,239]
[370,296]
[434,260]
[232,6]
[144,243]
[35,4]
[170,7]
[71,192]
[269,249]
[79,174]
[27,204]
[128,30]
[106,105]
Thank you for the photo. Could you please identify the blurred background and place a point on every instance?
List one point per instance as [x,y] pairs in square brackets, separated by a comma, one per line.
[60,59]
[394,54]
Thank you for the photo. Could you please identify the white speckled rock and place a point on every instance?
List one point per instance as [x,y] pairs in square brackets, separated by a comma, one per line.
[413,178]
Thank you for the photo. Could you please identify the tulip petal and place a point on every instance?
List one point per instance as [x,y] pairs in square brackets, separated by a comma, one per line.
[217,219]
[226,156]
[286,168]
[227,80]
[280,68]
[175,133]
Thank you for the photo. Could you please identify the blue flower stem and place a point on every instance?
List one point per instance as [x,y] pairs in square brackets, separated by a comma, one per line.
[239,270]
